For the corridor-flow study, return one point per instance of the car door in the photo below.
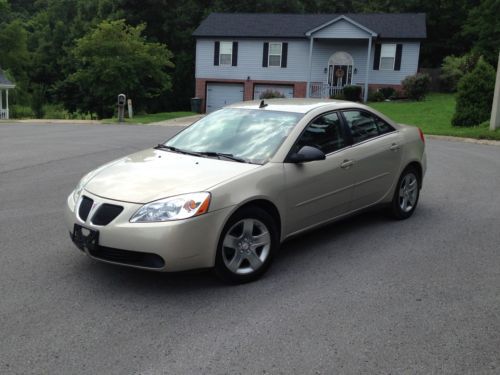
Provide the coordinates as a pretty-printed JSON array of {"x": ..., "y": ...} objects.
[
  {"x": 320, "y": 190},
  {"x": 376, "y": 156}
]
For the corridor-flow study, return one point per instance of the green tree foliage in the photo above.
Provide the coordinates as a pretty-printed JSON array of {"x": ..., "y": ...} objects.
[
  {"x": 454, "y": 68},
  {"x": 475, "y": 95},
  {"x": 115, "y": 58},
  {"x": 483, "y": 27}
]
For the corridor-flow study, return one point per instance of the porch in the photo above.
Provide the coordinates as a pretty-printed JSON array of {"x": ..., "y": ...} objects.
[
  {"x": 325, "y": 90},
  {"x": 5, "y": 86}
]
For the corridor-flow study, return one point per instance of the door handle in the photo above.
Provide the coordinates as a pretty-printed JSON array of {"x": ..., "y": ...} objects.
[
  {"x": 346, "y": 164},
  {"x": 394, "y": 147}
]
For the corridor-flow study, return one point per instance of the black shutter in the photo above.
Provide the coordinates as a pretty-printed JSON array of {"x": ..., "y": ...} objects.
[
  {"x": 235, "y": 54},
  {"x": 376, "y": 58},
  {"x": 216, "y": 53},
  {"x": 284, "y": 54},
  {"x": 265, "y": 55},
  {"x": 399, "y": 53}
]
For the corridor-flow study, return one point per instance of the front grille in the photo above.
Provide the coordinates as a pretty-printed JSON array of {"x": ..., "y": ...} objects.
[
  {"x": 106, "y": 213},
  {"x": 133, "y": 258},
  {"x": 85, "y": 208}
]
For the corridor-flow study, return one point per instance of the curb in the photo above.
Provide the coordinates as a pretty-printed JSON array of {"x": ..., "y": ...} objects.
[{"x": 488, "y": 142}]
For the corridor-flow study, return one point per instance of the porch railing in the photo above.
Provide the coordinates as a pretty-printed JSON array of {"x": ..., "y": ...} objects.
[
  {"x": 4, "y": 114},
  {"x": 324, "y": 90}
]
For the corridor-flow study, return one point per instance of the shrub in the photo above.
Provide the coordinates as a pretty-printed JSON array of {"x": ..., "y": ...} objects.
[
  {"x": 352, "y": 93},
  {"x": 271, "y": 94},
  {"x": 387, "y": 92},
  {"x": 416, "y": 87},
  {"x": 475, "y": 95},
  {"x": 337, "y": 97},
  {"x": 21, "y": 111},
  {"x": 454, "y": 68},
  {"x": 55, "y": 111},
  {"x": 376, "y": 96}
]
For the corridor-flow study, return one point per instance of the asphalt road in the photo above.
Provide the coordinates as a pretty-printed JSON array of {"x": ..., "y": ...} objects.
[{"x": 364, "y": 296}]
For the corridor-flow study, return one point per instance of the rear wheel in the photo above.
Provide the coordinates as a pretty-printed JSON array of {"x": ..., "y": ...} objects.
[
  {"x": 246, "y": 246},
  {"x": 406, "y": 195}
]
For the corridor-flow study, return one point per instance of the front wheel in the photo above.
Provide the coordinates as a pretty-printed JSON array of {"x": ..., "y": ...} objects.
[
  {"x": 406, "y": 195},
  {"x": 246, "y": 246}
]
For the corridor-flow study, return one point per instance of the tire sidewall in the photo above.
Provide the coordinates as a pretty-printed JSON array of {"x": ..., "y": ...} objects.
[
  {"x": 246, "y": 213},
  {"x": 397, "y": 212}
]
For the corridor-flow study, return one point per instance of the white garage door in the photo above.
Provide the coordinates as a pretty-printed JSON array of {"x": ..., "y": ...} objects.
[
  {"x": 287, "y": 91},
  {"x": 222, "y": 94}
]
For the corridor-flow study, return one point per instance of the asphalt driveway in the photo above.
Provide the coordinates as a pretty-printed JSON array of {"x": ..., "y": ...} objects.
[{"x": 364, "y": 296}]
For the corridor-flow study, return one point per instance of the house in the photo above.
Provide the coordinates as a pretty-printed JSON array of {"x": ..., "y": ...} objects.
[
  {"x": 5, "y": 85},
  {"x": 241, "y": 55}
]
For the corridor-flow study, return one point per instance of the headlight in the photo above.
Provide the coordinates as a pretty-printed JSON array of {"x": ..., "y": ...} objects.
[{"x": 173, "y": 208}]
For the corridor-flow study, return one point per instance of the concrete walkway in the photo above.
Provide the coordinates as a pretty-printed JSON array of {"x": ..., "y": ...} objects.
[{"x": 180, "y": 121}]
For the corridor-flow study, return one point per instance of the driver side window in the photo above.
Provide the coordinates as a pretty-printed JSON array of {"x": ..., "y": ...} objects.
[{"x": 325, "y": 133}]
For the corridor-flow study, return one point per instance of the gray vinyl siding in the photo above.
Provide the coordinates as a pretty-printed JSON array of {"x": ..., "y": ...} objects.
[
  {"x": 341, "y": 29},
  {"x": 250, "y": 61},
  {"x": 409, "y": 65}
]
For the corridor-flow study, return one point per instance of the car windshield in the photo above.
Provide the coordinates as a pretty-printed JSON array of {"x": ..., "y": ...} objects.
[{"x": 250, "y": 135}]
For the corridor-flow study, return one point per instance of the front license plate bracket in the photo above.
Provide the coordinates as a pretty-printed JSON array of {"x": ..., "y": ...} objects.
[{"x": 85, "y": 238}]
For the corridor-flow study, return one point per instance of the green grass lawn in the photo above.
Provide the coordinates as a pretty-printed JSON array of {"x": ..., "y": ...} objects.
[
  {"x": 149, "y": 118},
  {"x": 433, "y": 115}
]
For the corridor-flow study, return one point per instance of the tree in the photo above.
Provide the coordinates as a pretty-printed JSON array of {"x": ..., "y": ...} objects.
[
  {"x": 111, "y": 59},
  {"x": 475, "y": 95},
  {"x": 484, "y": 28}
]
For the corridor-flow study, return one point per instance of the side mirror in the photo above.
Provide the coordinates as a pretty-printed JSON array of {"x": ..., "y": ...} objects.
[{"x": 306, "y": 154}]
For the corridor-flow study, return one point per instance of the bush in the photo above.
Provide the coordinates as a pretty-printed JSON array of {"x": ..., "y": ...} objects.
[
  {"x": 352, "y": 93},
  {"x": 416, "y": 87},
  {"x": 55, "y": 111},
  {"x": 21, "y": 112},
  {"x": 454, "y": 68},
  {"x": 475, "y": 95},
  {"x": 271, "y": 94},
  {"x": 387, "y": 92},
  {"x": 376, "y": 96},
  {"x": 337, "y": 97}
]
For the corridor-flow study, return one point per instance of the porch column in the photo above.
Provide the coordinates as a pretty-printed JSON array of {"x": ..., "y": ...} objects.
[
  {"x": 367, "y": 75},
  {"x": 1, "y": 99},
  {"x": 308, "y": 91},
  {"x": 7, "y": 103}
]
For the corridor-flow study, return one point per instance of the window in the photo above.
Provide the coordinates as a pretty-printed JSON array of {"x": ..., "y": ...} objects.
[
  {"x": 387, "y": 56},
  {"x": 325, "y": 133},
  {"x": 364, "y": 125},
  {"x": 275, "y": 54},
  {"x": 226, "y": 53}
]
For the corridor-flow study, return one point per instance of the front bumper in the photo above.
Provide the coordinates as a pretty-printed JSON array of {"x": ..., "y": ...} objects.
[{"x": 181, "y": 245}]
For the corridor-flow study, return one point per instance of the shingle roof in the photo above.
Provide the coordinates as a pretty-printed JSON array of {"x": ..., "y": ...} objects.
[
  {"x": 3, "y": 80},
  {"x": 278, "y": 25}
]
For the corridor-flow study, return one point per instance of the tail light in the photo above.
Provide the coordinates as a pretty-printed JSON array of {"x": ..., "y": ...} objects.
[{"x": 421, "y": 135}]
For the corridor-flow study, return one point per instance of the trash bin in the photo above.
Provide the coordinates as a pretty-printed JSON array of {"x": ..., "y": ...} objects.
[{"x": 196, "y": 105}]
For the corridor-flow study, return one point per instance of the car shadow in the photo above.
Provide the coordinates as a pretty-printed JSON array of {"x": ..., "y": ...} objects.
[{"x": 291, "y": 256}]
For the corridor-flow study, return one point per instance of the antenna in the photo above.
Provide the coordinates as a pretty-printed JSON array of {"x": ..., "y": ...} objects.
[{"x": 262, "y": 104}]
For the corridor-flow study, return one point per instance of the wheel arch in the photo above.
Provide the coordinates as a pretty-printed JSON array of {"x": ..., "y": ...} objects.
[{"x": 418, "y": 167}]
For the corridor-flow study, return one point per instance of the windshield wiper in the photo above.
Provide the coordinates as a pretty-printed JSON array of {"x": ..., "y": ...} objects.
[
  {"x": 224, "y": 155},
  {"x": 162, "y": 146}
]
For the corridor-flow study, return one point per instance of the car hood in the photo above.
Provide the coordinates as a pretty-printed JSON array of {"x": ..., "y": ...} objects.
[{"x": 155, "y": 174}]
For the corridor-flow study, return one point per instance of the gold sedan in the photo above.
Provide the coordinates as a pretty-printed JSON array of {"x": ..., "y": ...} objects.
[{"x": 226, "y": 191}]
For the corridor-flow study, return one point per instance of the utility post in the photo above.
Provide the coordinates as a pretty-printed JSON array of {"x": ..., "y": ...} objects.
[
  {"x": 121, "y": 108},
  {"x": 495, "y": 109}
]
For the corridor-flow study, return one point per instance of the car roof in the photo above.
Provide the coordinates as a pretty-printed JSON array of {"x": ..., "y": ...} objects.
[{"x": 297, "y": 105}]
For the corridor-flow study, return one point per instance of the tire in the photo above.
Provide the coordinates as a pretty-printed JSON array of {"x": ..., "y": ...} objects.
[
  {"x": 405, "y": 199},
  {"x": 246, "y": 246}
]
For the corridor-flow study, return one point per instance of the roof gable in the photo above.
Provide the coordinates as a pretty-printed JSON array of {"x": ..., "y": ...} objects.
[
  {"x": 279, "y": 25},
  {"x": 350, "y": 27},
  {"x": 4, "y": 82}
]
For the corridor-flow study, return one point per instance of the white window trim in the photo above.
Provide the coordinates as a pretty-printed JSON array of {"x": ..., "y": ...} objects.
[
  {"x": 394, "y": 57},
  {"x": 220, "y": 53},
  {"x": 269, "y": 55}
]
